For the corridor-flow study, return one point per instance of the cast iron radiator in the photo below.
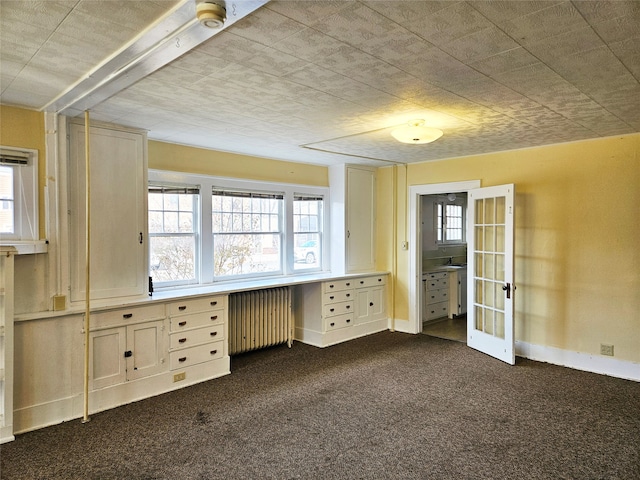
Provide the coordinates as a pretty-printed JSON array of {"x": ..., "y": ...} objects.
[{"x": 259, "y": 319}]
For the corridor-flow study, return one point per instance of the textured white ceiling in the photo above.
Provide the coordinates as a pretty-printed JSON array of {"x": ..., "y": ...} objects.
[{"x": 325, "y": 81}]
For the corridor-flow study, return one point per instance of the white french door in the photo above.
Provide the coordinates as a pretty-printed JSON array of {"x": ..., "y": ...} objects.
[{"x": 490, "y": 293}]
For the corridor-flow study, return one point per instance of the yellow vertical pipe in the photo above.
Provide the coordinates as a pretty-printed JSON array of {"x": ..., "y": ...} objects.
[
  {"x": 87, "y": 283},
  {"x": 394, "y": 244}
]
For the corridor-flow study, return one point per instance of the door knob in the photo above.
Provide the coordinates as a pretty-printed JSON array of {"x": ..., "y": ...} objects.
[{"x": 507, "y": 288}]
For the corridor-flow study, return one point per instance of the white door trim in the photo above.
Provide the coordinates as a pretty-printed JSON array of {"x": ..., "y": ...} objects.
[{"x": 415, "y": 235}]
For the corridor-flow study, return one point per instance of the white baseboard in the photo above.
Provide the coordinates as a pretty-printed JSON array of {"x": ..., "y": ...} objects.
[
  {"x": 580, "y": 361},
  {"x": 401, "y": 325}
]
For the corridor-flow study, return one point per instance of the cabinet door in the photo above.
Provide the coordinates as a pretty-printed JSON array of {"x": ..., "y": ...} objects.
[
  {"x": 118, "y": 212},
  {"x": 361, "y": 185},
  {"x": 146, "y": 343},
  {"x": 107, "y": 362},
  {"x": 377, "y": 304},
  {"x": 371, "y": 304}
]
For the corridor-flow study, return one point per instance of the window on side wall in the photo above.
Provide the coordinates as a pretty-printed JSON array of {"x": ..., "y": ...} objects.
[
  {"x": 173, "y": 234},
  {"x": 307, "y": 232},
  {"x": 18, "y": 194},
  {"x": 450, "y": 220},
  {"x": 247, "y": 232}
]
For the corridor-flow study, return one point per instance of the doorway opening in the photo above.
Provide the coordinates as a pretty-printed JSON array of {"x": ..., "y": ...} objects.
[
  {"x": 443, "y": 252},
  {"x": 438, "y": 255},
  {"x": 448, "y": 328}
]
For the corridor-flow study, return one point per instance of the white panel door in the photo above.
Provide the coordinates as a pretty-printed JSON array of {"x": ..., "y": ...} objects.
[
  {"x": 118, "y": 212},
  {"x": 490, "y": 287},
  {"x": 361, "y": 185}
]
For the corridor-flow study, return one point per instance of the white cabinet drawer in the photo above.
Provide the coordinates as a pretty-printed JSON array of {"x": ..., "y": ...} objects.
[
  {"x": 338, "y": 285},
  {"x": 124, "y": 316},
  {"x": 199, "y": 354},
  {"x": 339, "y": 321},
  {"x": 339, "y": 296},
  {"x": 197, "y": 336},
  {"x": 202, "y": 319},
  {"x": 337, "y": 308},
  {"x": 371, "y": 281},
  {"x": 437, "y": 296},
  {"x": 434, "y": 275},
  {"x": 434, "y": 284},
  {"x": 196, "y": 305},
  {"x": 437, "y": 310}
]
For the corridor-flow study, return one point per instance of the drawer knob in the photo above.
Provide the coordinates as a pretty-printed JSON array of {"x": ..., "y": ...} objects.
[
  {"x": 214, "y": 303},
  {"x": 182, "y": 307},
  {"x": 213, "y": 352},
  {"x": 348, "y": 284},
  {"x": 127, "y": 315},
  {"x": 330, "y": 286},
  {"x": 331, "y": 297},
  {"x": 182, "y": 323},
  {"x": 361, "y": 282},
  {"x": 331, "y": 309},
  {"x": 379, "y": 279},
  {"x": 371, "y": 304},
  {"x": 348, "y": 320},
  {"x": 214, "y": 317},
  {"x": 128, "y": 354},
  {"x": 348, "y": 307},
  {"x": 182, "y": 359},
  {"x": 332, "y": 324},
  {"x": 348, "y": 295},
  {"x": 213, "y": 334},
  {"x": 182, "y": 340}
]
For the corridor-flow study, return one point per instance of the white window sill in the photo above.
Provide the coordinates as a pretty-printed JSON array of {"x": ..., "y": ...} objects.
[{"x": 27, "y": 247}]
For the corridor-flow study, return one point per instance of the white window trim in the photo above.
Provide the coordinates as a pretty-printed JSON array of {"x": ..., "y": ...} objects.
[
  {"x": 208, "y": 183},
  {"x": 196, "y": 234},
  {"x": 461, "y": 203},
  {"x": 25, "y": 197}
]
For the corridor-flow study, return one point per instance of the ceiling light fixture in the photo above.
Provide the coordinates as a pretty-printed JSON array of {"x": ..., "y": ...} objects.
[
  {"x": 211, "y": 15},
  {"x": 415, "y": 132}
]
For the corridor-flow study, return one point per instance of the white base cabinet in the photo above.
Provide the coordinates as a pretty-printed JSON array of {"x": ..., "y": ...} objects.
[
  {"x": 336, "y": 311},
  {"x": 436, "y": 295},
  {"x": 135, "y": 352}
]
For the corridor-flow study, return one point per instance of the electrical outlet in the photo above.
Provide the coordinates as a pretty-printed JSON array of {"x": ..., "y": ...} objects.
[
  {"x": 177, "y": 377},
  {"x": 606, "y": 349}
]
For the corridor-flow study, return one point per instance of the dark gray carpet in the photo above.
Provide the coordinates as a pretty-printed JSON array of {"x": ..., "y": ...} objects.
[{"x": 386, "y": 406}]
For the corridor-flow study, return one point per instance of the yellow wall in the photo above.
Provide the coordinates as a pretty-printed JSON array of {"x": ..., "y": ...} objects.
[
  {"x": 181, "y": 158},
  {"x": 577, "y": 238},
  {"x": 25, "y": 129}
]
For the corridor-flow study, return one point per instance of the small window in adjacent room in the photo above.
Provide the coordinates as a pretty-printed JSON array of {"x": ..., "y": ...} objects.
[
  {"x": 173, "y": 230},
  {"x": 247, "y": 229},
  {"x": 307, "y": 232},
  {"x": 18, "y": 194},
  {"x": 450, "y": 218}
]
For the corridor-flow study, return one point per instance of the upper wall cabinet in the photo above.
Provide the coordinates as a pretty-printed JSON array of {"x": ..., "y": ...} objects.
[
  {"x": 118, "y": 225},
  {"x": 353, "y": 214}
]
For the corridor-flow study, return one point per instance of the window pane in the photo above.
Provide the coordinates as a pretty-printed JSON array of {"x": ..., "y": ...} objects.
[
  {"x": 241, "y": 254},
  {"x": 172, "y": 258},
  {"x": 6, "y": 200},
  {"x": 306, "y": 252},
  {"x": 172, "y": 234},
  {"x": 247, "y": 231},
  {"x": 307, "y": 228}
]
